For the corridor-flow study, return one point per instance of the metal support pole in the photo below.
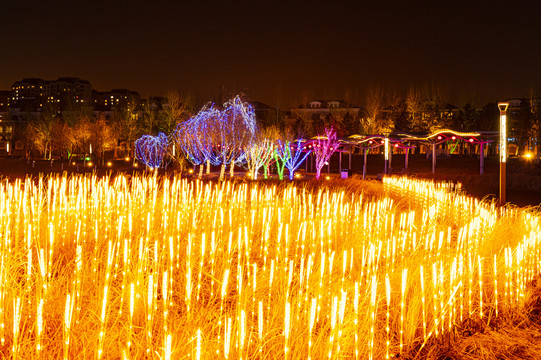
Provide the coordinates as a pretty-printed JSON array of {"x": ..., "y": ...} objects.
[
  {"x": 350, "y": 149},
  {"x": 433, "y": 158},
  {"x": 390, "y": 159},
  {"x": 482, "y": 158},
  {"x": 364, "y": 165},
  {"x": 340, "y": 162},
  {"x": 406, "y": 160}
]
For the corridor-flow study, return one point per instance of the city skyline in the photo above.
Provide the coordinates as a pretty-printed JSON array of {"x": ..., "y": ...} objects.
[{"x": 274, "y": 53}]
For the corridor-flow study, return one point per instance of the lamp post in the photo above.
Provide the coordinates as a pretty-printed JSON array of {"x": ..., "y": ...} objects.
[
  {"x": 386, "y": 152},
  {"x": 503, "y": 149}
]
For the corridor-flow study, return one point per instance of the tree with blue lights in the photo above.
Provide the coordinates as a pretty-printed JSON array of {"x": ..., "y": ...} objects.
[
  {"x": 234, "y": 132},
  {"x": 151, "y": 150},
  {"x": 291, "y": 153}
]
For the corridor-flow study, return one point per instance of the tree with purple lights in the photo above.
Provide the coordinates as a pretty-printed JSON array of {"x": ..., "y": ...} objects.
[
  {"x": 294, "y": 157},
  {"x": 324, "y": 147},
  {"x": 151, "y": 150},
  {"x": 257, "y": 155}
]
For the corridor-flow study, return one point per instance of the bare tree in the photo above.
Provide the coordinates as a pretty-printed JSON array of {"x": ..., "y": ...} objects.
[
  {"x": 125, "y": 128},
  {"x": 372, "y": 122},
  {"x": 41, "y": 131},
  {"x": 414, "y": 104},
  {"x": 176, "y": 109}
]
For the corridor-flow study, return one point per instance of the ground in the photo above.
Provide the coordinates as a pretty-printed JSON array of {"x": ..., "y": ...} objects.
[{"x": 523, "y": 176}]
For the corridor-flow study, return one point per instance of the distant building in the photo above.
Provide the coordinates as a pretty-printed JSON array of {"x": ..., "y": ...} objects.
[
  {"x": 5, "y": 100},
  {"x": 33, "y": 94},
  {"x": 312, "y": 117},
  {"x": 116, "y": 98}
]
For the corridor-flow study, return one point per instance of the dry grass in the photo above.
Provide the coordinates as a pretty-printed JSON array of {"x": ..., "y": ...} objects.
[{"x": 147, "y": 267}]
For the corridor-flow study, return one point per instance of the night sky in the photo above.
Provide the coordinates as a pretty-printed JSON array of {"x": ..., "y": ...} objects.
[{"x": 277, "y": 52}]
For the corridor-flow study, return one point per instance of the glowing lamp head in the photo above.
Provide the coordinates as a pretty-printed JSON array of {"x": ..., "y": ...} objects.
[
  {"x": 127, "y": 158},
  {"x": 298, "y": 176},
  {"x": 453, "y": 137},
  {"x": 90, "y": 164},
  {"x": 370, "y": 142},
  {"x": 382, "y": 142},
  {"x": 73, "y": 163},
  {"x": 328, "y": 177},
  {"x": 528, "y": 155},
  {"x": 471, "y": 140},
  {"x": 190, "y": 171},
  {"x": 439, "y": 137},
  {"x": 395, "y": 145},
  {"x": 135, "y": 165}
]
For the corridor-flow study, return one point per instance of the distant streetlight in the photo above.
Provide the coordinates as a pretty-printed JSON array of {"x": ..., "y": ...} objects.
[{"x": 503, "y": 150}]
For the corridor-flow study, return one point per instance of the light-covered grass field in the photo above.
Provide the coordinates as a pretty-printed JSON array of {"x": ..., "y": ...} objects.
[{"x": 168, "y": 268}]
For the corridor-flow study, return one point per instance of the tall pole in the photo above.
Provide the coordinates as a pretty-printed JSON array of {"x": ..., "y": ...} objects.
[
  {"x": 434, "y": 158},
  {"x": 364, "y": 164},
  {"x": 482, "y": 158},
  {"x": 503, "y": 150},
  {"x": 406, "y": 160},
  {"x": 386, "y": 151}
]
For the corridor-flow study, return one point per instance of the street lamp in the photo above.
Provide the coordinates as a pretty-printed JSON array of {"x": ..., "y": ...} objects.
[
  {"x": 386, "y": 152},
  {"x": 503, "y": 149}
]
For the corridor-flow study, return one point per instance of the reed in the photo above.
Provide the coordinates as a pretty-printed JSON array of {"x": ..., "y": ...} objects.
[{"x": 147, "y": 266}]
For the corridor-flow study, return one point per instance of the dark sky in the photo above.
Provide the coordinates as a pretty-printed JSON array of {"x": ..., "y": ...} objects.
[{"x": 474, "y": 51}]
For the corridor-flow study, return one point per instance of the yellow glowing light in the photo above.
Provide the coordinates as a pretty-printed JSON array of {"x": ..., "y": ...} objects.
[
  {"x": 411, "y": 281},
  {"x": 528, "y": 155},
  {"x": 90, "y": 164},
  {"x": 190, "y": 171},
  {"x": 327, "y": 177},
  {"x": 109, "y": 164},
  {"x": 127, "y": 158},
  {"x": 503, "y": 131}
]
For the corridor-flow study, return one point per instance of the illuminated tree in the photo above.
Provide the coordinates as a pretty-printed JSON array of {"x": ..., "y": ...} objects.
[
  {"x": 292, "y": 155},
  {"x": 282, "y": 154},
  {"x": 257, "y": 155},
  {"x": 324, "y": 147},
  {"x": 196, "y": 135},
  {"x": 151, "y": 150},
  {"x": 234, "y": 132}
]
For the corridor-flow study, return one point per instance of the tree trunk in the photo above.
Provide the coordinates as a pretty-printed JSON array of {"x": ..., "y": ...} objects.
[
  {"x": 208, "y": 166},
  {"x": 201, "y": 168},
  {"x": 232, "y": 169},
  {"x": 222, "y": 172}
]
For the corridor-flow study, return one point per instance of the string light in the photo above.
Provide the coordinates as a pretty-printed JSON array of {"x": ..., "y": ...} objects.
[{"x": 151, "y": 150}]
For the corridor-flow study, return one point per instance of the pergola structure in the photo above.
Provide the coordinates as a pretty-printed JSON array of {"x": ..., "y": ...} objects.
[{"x": 409, "y": 141}]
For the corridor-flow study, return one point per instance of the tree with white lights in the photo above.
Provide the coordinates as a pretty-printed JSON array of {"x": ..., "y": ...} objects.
[{"x": 257, "y": 155}]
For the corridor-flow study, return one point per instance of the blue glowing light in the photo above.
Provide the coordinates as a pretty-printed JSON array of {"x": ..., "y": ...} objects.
[
  {"x": 151, "y": 150},
  {"x": 291, "y": 155}
]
